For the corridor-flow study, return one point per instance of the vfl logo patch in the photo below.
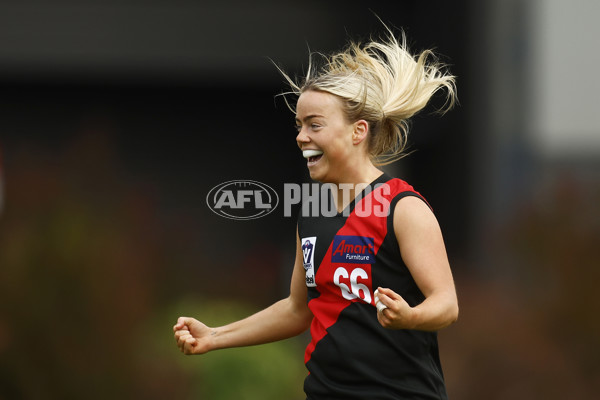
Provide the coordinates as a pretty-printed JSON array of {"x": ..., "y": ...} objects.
[
  {"x": 308, "y": 258},
  {"x": 353, "y": 250}
]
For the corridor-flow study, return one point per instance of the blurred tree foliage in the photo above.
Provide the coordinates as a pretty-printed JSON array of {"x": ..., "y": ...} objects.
[
  {"x": 93, "y": 276},
  {"x": 271, "y": 371},
  {"x": 553, "y": 242},
  {"x": 529, "y": 326},
  {"x": 87, "y": 301}
]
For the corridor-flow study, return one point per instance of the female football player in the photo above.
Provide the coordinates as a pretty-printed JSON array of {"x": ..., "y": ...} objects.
[{"x": 373, "y": 282}]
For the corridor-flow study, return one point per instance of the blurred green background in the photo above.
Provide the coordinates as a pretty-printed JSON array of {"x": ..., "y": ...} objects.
[{"x": 117, "y": 118}]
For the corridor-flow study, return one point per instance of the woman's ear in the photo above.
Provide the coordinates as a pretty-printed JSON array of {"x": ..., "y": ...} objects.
[{"x": 361, "y": 128}]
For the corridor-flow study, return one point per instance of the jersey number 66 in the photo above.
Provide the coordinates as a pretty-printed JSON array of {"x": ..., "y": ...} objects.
[{"x": 356, "y": 290}]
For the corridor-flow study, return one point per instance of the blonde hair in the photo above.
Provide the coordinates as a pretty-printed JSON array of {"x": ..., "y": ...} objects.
[{"x": 383, "y": 84}]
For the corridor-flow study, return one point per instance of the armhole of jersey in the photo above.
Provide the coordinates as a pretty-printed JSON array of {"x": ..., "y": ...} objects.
[
  {"x": 402, "y": 195},
  {"x": 394, "y": 202}
]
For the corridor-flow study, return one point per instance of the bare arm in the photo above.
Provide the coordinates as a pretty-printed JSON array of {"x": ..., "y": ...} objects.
[
  {"x": 284, "y": 319},
  {"x": 423, "y": 251}
]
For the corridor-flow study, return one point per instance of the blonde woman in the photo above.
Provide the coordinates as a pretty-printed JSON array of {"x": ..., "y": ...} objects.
[{"x": 373, "y": 287}]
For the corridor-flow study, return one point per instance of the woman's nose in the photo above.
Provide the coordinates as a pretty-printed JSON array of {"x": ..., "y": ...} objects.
[{"x": 302, "y": 137}]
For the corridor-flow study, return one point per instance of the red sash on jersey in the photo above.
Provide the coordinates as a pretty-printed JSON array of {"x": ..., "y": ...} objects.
[{"x": 327, "y": 307}]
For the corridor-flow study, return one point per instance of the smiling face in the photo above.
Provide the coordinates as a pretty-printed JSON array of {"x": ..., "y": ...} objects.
[{"x": 327, "y": 140}]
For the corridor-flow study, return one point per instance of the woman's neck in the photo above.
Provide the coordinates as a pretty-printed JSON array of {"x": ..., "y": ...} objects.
[{"x": 345, "y": 190}]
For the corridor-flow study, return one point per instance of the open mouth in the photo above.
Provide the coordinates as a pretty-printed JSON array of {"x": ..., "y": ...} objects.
[{"x": 312, "y": 156}]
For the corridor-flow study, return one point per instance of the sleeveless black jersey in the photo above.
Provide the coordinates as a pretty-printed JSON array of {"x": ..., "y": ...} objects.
[{"x": 346, "y": 257}]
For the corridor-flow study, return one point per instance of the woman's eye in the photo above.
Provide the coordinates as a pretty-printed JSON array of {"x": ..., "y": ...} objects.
[{"x": 314, "y": 127}]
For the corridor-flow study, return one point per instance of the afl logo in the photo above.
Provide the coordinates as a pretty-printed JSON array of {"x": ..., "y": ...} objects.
[{"x": 242, "y": 199}]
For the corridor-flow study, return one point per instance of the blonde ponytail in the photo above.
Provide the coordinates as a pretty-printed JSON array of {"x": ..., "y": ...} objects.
[{"x": 382, "y": 83}]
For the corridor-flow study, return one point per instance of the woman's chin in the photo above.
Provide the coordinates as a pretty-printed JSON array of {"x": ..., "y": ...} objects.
[{"x": 314, "y": 176}]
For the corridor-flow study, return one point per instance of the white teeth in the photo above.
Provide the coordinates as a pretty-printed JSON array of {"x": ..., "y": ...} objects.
[{"x": 311, "y": 153}]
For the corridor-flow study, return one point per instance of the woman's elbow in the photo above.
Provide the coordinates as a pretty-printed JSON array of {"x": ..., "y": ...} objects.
[{"x": 453, "y": 312}]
